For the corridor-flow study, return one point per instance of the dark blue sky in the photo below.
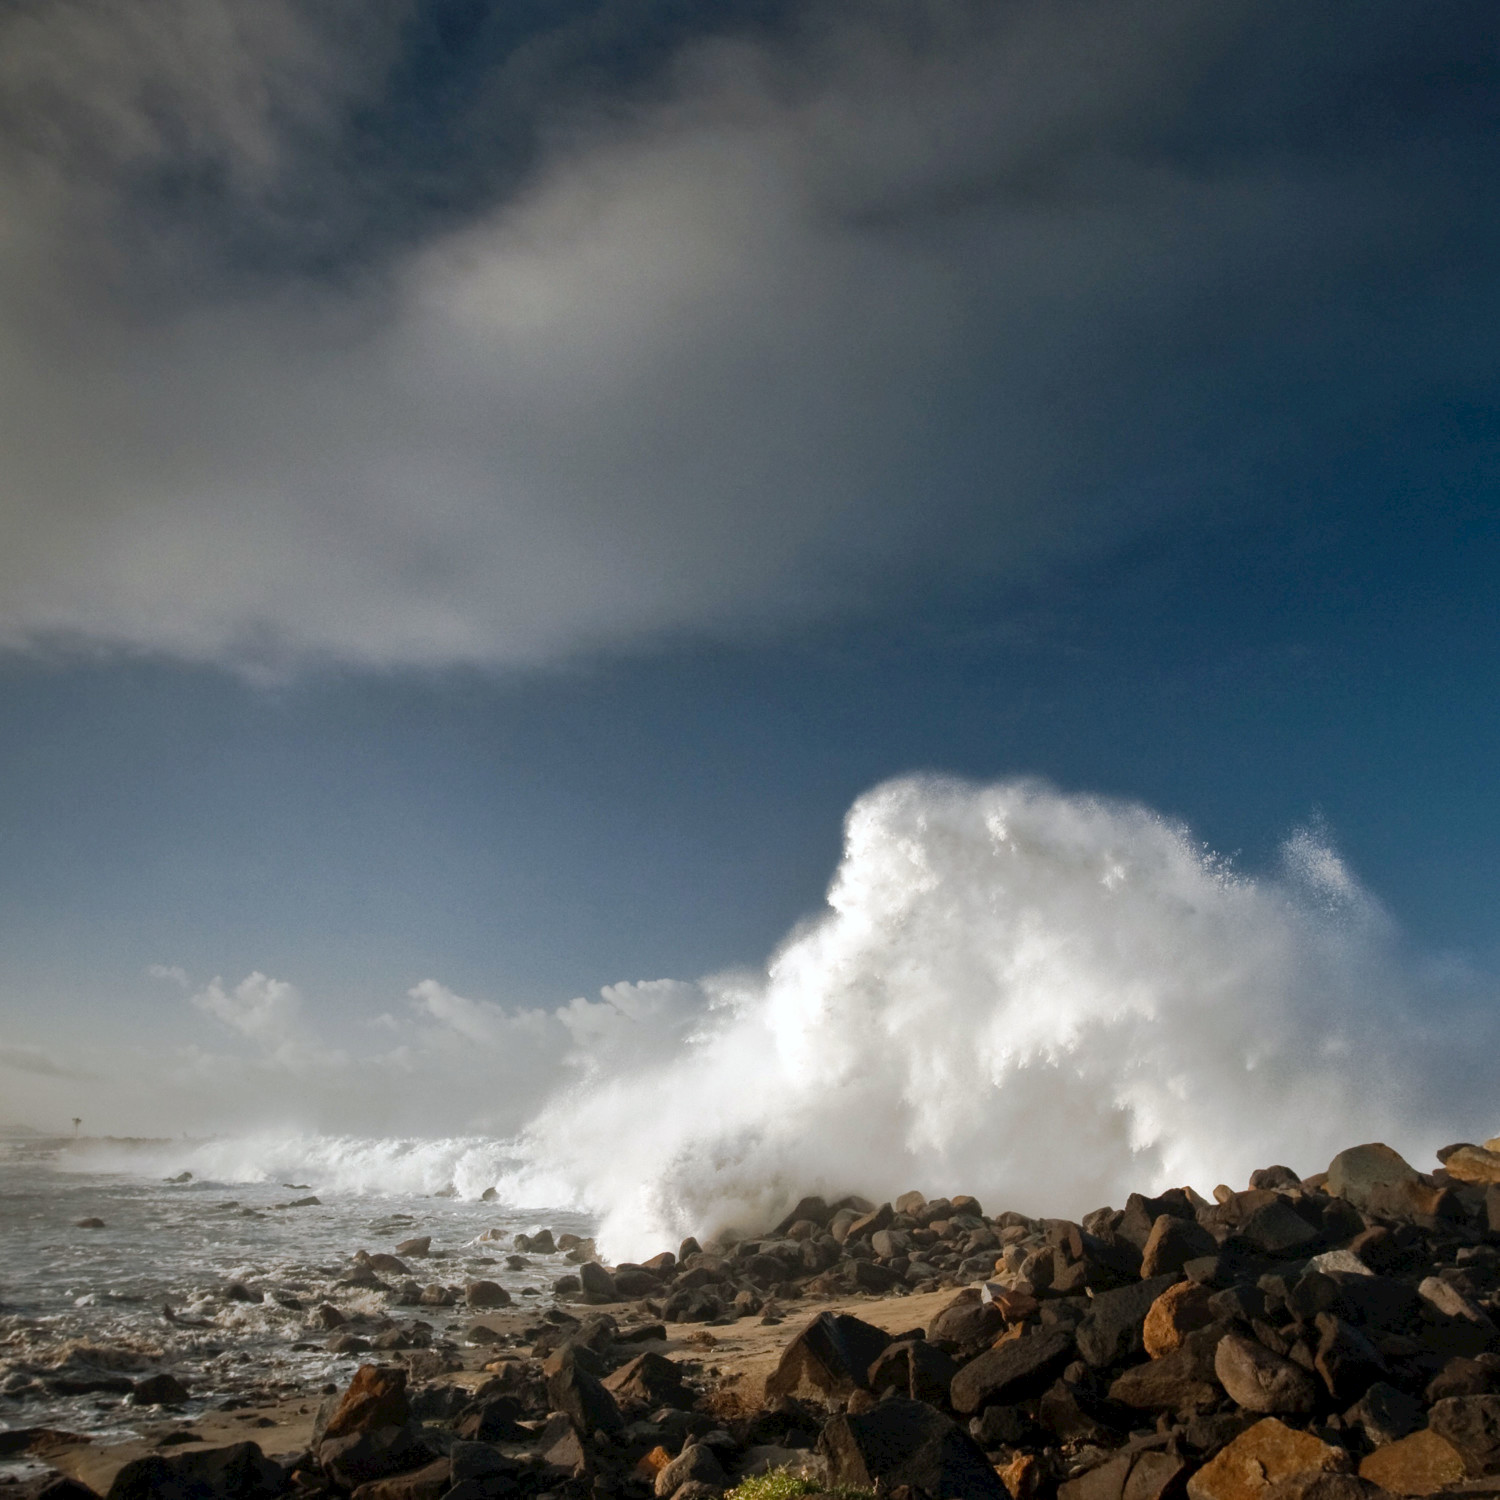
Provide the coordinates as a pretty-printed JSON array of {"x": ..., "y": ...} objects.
[{"x": 483, "y": 503}]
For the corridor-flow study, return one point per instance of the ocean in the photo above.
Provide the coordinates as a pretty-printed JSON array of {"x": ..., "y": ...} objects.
[{"x": 82, "y": 1309}]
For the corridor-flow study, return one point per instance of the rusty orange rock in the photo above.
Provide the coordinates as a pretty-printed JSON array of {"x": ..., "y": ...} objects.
[
  {"x": 1421, "y": 1464},
  {"x": 1256, "y": 1459},
  {"x": 1175, "y": 1314}
]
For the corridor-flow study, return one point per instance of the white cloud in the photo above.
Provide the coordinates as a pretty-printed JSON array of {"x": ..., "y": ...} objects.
[
  {"x": 819, "y": 316},
  {"x": 264, "y": 1010}
]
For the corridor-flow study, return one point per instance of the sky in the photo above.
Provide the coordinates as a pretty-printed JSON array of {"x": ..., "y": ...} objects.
[{"x": 484, "y": 488}]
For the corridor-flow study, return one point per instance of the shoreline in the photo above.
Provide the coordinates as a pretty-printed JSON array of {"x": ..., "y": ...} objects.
[{"x": 1342, "y": 1331}]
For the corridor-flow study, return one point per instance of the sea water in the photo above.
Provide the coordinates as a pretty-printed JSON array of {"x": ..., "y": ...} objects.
[{"x": 86, "y": 1306}]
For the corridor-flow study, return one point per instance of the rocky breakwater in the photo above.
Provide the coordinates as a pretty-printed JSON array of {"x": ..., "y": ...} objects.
[{"x": 1333, "y": 1338}]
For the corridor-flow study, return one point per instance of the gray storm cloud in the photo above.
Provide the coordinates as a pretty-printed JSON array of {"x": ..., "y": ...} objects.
[{"x": 914, "y": 287}]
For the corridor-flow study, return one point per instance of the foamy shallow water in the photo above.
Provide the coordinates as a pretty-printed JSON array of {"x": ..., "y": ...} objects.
[{"x": 75, "y": 1300}]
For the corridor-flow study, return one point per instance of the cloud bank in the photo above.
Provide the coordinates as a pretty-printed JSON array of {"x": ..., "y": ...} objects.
[{"x": 791, "y": 319}]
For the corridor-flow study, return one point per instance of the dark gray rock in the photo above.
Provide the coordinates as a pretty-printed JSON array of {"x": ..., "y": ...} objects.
[
  {"x": 572, "y": 1390},
  {"x": 1261, "y": 1381},
  {"x": 914, "y": 1368},
  {"x": 830, "y": 1358},
  {"x": 238, "y": 1472},
  {"x": 1277, "y": 1230},
  {"x": 1182, "y": 1381},
  {"x": 1172, "y": 1243},
  {"x": 1472, "y": 1425},
  {"x": 902, "y": 1442},
  {"x": 1111, "y": 1333},
  {"x": 159, "y": 1390},
  {"x": 966, "y": 1323},
  {"x": 1012, "y": 1371},
  {"x": 696, "y": 1464},
  {"x": 1385, "y": 1414},
  {"x": 373, "y": 1453}
]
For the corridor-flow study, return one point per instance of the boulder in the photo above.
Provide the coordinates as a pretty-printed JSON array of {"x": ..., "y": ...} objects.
[
  {"x": 969, "y": 1321},
  {"x": 830, "y": 1358},
  {"x": 1261, "y": 1381},
  {"x": 1269, "y": 1451},
  {"x": 495, "y": 1420},
  {"x": 1181, "y": 1381},
  {"x": 427, "y": 1483},
  {"x": 238, "y": 1472},
  {"x": 1012, "y": 1371},
  {"x": 372, "y": 1453},
  {"x": 376, "y": 1398},
  {"x": 1348, "y": 1362},
  {"x": 1385, "y": 1414},
  {"x": 903, "y": 1442},
  {"x": 597, "y": 1282},
  {"x": 650, "y": 1378},
  {"x": 1278, "y": 1231},
  {"x": 1476, "y": 1164},
  {"x": 1177, "y": 1312},
  {"x": 561, "y": 1446},
  {"x": 421, "y": 1245},
  {"x": 486, "y": 1294},
  {"x": 1113, "y": 1330},
  {"x": 1419, "y": 1464},
  {"x": 572, "y": 1390},
  {"x": 914, "y": 1368},
  {"x": 696, "y": 1463},
  {"x": 159, "y": 1390},
  {"x": 1172, "y": 1243},
  {"x": 1355, "y": 1173},
  {"x": 1472, "y": 1425}
]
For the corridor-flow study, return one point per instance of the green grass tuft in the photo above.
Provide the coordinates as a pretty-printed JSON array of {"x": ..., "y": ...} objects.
[{"x": 780, "y": 1484}]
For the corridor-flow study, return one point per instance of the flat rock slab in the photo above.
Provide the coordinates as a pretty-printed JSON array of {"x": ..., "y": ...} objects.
[
  {"x": 1011, "y": 1371},
  {"x": 1268, "y": 1452},
  {"x": 1421, "y": 1464}
]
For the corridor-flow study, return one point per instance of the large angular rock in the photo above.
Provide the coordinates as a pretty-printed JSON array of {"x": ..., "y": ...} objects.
[
  {"x": 1012, "y": 1371},
  {"x": 1261, "y": 1381},
  {"x": 1355, "y": 1173},
  {"x": 696, "y": 1464},
  {"x": 1277, "y": 1230},
  {"x": 238, "y": 1472},
  {"x": 1112, "y": 1331},
  {"x": 357, "y": 1458},
  {"x": 1176, "y": 1313},
  {"x": 428, "y": 1483},
  {"x": 597, "y": 1283},
  {"x": 969, "y": 1321},
  {"x": 1474, "y": 1164},
  {"x": 1420, "y": 1464},
  {"x": 830, "y": 1358},
  {"x": 1268, "y": 1452},
  {"x": 376, "y": 1398},
  {"x": 902, "y": 1442},
  {"x": 1386, "y": 1414},
  {"x": 1182, "y": 1381},
  {"x": 914, "y": 1368},
  {"x": 1348, "y": 1362},
  {"x": 650, "y": 1378},
  {"x": 571, "y": 1389},
  {"x": 1172, "y": 1243},
  {"x": 1472, "y": 1425}
]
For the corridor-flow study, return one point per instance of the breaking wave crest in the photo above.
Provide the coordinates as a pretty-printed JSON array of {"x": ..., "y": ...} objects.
[
  {"x": 1044, "y": 1000},
  {"x": 1041, "y": 999}
]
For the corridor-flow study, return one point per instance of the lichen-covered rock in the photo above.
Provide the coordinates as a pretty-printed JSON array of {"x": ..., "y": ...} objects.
[{"x": 1268, "y": 1452}]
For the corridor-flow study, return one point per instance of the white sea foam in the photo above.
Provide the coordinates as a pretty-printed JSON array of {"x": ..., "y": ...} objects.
[
  {"x": 1041, "y": 999},
  {"x": 1046, "y": 1000}
]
